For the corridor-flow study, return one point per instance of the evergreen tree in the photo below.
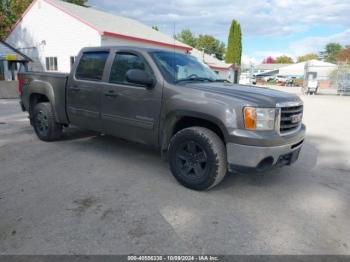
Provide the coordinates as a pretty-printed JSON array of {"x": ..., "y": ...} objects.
[{"x": 234, "y": 45}]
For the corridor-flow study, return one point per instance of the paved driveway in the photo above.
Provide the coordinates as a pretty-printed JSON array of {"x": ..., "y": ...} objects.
[{"x": 91, "y": 194}]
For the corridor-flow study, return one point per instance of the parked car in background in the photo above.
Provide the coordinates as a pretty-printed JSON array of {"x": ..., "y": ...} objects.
[
  {"x": 245, "y": 79},
  {"x": 281, "y": 78}
]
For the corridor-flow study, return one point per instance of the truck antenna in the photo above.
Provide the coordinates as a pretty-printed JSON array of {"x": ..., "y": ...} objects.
[{"x": 174, "y": 36}]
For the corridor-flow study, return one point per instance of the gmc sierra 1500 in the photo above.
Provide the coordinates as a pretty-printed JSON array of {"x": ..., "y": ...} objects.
[{"x": 202, "y": 124}]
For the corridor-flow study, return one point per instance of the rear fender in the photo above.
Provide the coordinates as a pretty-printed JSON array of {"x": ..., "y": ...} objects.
[{"x": 45, "y": 89}]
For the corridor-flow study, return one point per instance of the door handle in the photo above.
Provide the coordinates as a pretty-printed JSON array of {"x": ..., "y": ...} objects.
[
  {"x": 111, "y": 93},
  {"x": 75, "y": 89}
]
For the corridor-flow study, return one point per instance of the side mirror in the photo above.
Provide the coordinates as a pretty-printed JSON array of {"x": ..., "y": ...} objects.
[{"x": 140, "y": 77}]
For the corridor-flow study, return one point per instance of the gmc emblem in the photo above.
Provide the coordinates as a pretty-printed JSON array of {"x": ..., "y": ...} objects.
[{"x": 296, "y": 118}]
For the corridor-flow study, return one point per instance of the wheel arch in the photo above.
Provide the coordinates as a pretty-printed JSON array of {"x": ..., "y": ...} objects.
[
  {"x": 34, "y": 99},
  {"x": 180, "y": 120},
  {"x": 41, "y": 91}
]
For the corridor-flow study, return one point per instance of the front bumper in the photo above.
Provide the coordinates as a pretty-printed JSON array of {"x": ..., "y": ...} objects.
[{"x": 256, "y": 158}]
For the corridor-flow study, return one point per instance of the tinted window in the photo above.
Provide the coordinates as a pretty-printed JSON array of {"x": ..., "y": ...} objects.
[
  {"x": 91, "y": 66},
  {"x": 123, "y": 62}
]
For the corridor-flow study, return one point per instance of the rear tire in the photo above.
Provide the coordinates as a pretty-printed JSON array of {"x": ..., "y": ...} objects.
[
  {"x": 197, "y": 158},
  {"x": 44, "y": 123}
]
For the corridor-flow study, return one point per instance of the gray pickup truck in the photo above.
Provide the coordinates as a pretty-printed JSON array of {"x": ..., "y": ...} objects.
[{"x": 203, "y": 125}]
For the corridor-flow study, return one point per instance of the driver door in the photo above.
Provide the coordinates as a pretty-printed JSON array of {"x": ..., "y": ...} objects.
[{"x": 129, "y": 110}]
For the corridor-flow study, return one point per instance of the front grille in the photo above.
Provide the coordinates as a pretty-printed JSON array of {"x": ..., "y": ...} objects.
[{"x": 288, "y": 118}]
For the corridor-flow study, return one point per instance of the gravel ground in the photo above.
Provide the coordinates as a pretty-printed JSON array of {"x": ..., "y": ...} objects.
[{"x": 91, "y": 194}]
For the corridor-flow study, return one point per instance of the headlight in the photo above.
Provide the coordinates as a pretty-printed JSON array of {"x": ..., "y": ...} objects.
[{"x": 259, "y": 118}]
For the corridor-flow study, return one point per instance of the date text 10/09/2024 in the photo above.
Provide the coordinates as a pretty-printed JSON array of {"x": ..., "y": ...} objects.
[{"x": 173, "y": 258}]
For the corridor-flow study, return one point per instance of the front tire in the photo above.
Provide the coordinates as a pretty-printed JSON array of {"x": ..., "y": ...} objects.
[
  {"x": 44, "y": 123},
  {"x": 197, "y": 158}
]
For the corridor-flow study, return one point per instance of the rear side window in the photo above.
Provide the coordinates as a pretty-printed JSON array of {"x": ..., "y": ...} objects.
[
  {"x": 123, "y": 62},
  {"x": 91, "y": 66}
]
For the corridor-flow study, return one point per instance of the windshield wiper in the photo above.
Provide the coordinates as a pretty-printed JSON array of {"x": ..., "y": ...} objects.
[{"x": 201, "y": 79}]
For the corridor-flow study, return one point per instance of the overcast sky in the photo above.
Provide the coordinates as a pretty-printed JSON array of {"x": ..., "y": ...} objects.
[{"x": 269, "y": 27}]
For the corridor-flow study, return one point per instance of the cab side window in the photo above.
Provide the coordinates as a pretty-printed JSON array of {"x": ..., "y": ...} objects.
[
  {"x": 123, "y": 62},
  {"x": 91, "y": 66}
]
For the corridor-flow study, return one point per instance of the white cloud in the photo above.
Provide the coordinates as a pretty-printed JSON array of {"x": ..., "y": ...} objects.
[
  {"x": 264, "y": 18},
  {"x": 274, "y": 54},
  {"x": 248, "y": 60},
  {"x": 315, "y": 44}
]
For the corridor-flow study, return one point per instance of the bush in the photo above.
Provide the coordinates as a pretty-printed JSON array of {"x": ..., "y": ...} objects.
[{"x": 298, "y": 82}]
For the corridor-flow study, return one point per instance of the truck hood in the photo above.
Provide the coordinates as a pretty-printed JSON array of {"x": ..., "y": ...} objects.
[{"x": 249, "y": 94}]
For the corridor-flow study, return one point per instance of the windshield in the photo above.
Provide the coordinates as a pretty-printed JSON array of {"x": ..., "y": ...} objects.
[{"x": 177, "y": 67}]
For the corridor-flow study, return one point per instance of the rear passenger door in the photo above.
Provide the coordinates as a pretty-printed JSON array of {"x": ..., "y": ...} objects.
[
  {"x": 84, "y": 90},
  {"x": 129, "y": 110}
]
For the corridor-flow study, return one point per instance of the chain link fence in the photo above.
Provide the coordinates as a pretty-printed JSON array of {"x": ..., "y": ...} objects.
[{"x": 340, "y": 79}]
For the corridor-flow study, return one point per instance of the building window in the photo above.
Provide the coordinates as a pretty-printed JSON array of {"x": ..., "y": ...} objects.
[
  {"x": 91, "y": 66},
  {"x": 51, "y": 63},
  {"x": 72, "y": 60}
]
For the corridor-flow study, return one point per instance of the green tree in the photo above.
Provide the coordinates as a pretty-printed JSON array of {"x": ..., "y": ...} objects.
[
  {"x": 187, "y": 37},
  {"x": 210, "y": 45},
  {"x": 344, "y": 55},
  {"x": 220, "y": 54},
  {"x": 307, "y": 57},
  {"x": 234, "y": 44},
  {"x": 283, "y": 59},
  {"x": 10, "y": 12},
  {"x": 331, "y": 51},
  {"x": 154, "y": 27},
  {"x": 77, "y": 2}
]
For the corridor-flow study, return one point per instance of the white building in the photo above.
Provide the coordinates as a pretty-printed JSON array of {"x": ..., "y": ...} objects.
[
  {"x": 267, "y": 68},
  {"x": 316, "y": 69},
  {"x": 322, "y": 69},
  {"x": 52, "y": 32}
]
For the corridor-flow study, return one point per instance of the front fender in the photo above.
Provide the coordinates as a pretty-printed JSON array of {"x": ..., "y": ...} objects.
[{"x": 216, "y": 111}]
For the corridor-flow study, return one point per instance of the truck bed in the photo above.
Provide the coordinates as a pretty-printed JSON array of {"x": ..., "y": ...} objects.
[{"x": 53, "y": 85}]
